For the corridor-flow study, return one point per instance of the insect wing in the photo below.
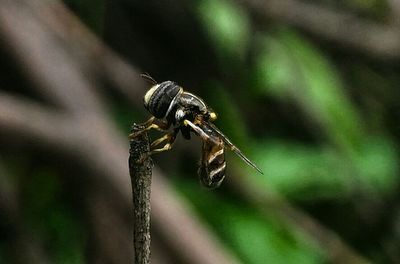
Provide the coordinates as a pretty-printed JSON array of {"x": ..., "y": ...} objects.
[{"x": 232, "y": 147}]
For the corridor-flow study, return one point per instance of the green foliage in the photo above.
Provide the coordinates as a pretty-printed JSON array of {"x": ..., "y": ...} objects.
[
  {"x": 124, "y": 114},
  {"x": 51, "y": 218},
  {"x": 304, "y": 173},
  {"x": 227, "y": 26},
  {"x": 291, "y": 66},
  {"x": 221, "y": 101},
  {"x": 345, "y": 159},
  {"x": 255, "y": 238},
  {"x": 377, "y": 166}
]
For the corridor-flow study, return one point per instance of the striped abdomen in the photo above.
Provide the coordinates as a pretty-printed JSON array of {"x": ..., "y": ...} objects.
[{"x": 212, "y": 163}]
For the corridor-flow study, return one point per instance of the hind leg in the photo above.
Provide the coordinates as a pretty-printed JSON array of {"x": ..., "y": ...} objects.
[{"x": 170, "y": 138}]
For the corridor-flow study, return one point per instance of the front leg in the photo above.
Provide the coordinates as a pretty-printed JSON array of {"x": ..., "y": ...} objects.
[
  {"x": 148, "y": 125},
  {"x": 200, "y": 132}
]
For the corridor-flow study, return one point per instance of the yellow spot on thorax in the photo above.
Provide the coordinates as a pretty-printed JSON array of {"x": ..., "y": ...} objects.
[{"x": 213, "y": 116}]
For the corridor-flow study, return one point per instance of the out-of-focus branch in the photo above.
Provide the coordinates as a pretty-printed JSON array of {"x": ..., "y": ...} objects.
[
  {"x": 93, "y": 55},
  {"x": 28, "y": 119},
  {"x": 167, "y": 209},
  {"x": 107, "y": 157},
  {"x": 42, "y": 55},
  {"x": 394, "y": 6},
  {"x": 88, "y": 135},
  {"x": 173, "y": 215},
  {"x": 108, "y": 242},
  {"x": 382, "y": 41},
  {"x": 70, "y": 67}
]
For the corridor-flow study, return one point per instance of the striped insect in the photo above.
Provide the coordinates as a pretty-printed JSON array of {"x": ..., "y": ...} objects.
[{"x": 170, "y": 106}]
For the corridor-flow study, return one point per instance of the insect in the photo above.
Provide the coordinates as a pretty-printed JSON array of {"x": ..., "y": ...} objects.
[{"x": 170, "y": 106}]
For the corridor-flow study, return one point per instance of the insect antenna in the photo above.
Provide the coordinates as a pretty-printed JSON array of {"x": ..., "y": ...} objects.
[{"x": 148, "y": 78}]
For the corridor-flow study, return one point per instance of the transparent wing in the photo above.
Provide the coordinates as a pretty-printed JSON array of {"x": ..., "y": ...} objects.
[{"x": 232, "y": 147}]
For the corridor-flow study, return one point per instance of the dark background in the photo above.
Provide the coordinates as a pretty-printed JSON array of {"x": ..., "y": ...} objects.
[{"x": 307, "y": 89}]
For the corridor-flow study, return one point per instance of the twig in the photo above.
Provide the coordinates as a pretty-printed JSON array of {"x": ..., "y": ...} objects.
[
  {"x": 89, "y": 137},
  {"x": 104, "y": 154},
  {"x": 140, "y": 170}
]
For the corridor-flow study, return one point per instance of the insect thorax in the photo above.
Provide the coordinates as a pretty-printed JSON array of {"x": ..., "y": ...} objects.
[
  {"x": 185, "y": 106},
  {"x": 192, "y": 101}
]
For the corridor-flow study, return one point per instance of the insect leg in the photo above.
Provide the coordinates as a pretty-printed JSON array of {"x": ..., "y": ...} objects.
[
  {"x": 160, "y": 140},
  {"x": 149, "y": 124},
  {"x": 200, "y": 132},
  {"x": 169, "y": 137}
]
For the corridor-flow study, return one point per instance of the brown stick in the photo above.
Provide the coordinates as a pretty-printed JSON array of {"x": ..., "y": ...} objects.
[{"x": 140, "y": 170}]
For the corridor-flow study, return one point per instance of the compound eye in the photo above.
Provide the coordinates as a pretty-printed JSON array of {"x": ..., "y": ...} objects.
[
  {"x": 160, "y": 97},
  {"x": 149, "y": 94}
]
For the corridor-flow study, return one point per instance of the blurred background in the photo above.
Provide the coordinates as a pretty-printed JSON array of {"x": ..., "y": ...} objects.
[{"x": 308, "y": 89}]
